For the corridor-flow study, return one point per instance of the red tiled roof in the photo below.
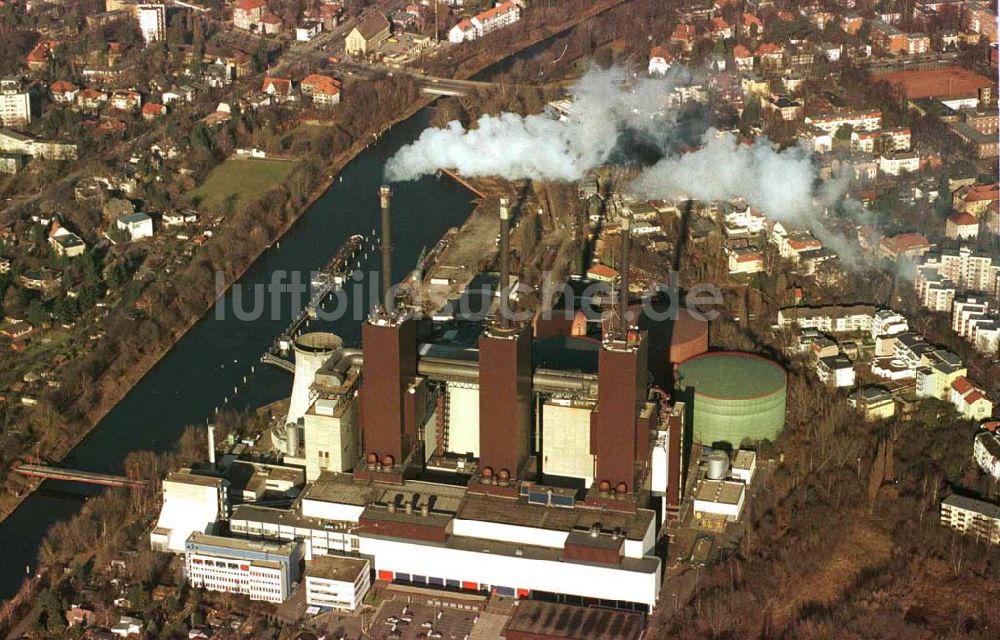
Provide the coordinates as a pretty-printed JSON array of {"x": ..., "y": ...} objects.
[
  {"x": 974, "y": 397},
  {"x": 497, "y": 10},
  {"x": 153, "y": 109},
  {"x": 660, "y": 52},
  {"x": 739, "y": 51},
  {"x": 905, "y": 241},
  {"x": 750, "y": 19},
  {"x": 963, "y": 219},
  {"x": 281, "y": 85},
  {"x": 250, "y": 5},
  {"x": 962, "y": 385},
  {"x": 768, "y": 48},
  {"x": 322, "y": 84},
  {"x": 602, "y": 271},
  {"x": 683, "y": 32},
  {"x": 62, "y": 86}
]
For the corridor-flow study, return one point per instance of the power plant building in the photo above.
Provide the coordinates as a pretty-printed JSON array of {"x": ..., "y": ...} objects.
[
  {"x": 475, "y": 455},
  {"x": 735, "y": 397}
]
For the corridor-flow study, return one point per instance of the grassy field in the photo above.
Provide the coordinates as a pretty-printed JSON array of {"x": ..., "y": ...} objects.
[{"x": 245, "y": 179}]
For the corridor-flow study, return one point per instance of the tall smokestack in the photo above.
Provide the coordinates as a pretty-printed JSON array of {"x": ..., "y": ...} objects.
[
  {"x": 211, "y": 444},
  {"x": 504, "y": 259},
  {"x": 385, "y": 196},
  {"x": 623, "y": 294}
]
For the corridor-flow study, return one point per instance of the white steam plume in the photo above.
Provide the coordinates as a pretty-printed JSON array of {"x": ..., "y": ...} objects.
[
  {"x": 608, "y": 104},
  {"x": 604, "y": 104}
]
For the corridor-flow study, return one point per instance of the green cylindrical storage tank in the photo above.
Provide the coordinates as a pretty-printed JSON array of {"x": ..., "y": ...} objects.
[{"x": 735, "y": 397}]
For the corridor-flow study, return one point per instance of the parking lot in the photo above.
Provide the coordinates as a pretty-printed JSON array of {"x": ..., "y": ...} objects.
[{"x": 397, "y": 620}]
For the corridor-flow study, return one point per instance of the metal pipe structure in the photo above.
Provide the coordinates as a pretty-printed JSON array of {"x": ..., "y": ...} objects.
[
  {"x": 211, "y": 444},
  {"x": 504, "y": 260},
  {"x": 544, "y": 380},
  {"x": 623, "y": 294},
  {"x": 385, "y": 198}
]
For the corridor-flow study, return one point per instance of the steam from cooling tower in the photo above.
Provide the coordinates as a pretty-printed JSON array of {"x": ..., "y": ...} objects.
[
  {"x": 608, "y": 106},
  {"x": 605, "y": 103}
]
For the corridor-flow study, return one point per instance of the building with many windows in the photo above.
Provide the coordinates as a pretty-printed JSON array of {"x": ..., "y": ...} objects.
[
  {"x": 260, "y": 570},
  {"x": 986, "y": 451},
  {"x": 973, "y": 517},
  {"x": 337, "y": 582},
  {"x": 15, "y": 104},
  {"x": 152, "y": 22}
]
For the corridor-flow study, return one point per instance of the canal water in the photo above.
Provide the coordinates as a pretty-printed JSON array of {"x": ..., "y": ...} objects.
[{"x": 214, "y": 356}]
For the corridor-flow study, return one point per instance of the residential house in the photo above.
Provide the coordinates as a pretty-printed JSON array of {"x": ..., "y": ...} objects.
[
  {"x": 64, "y": 242},
  {"x": 742, "y": 58},
  {"x": 488, "y": 21},
  {"x": 961, "y": 226},
  {"x": 719, "y": 29},
  {"x": 137, "y": 225},
  {"x": 899, "y": 162},
  {"x": 771, "y": 56},
  {"x": 247, "y": 14},
  {"x": 44, "y": 280},
  {"x": 152, "y": 110},
  {"x": 874, "y": 402},
  {"x": 835, "y": 371},
  {"x": 659, "y": 61},
  {"x": 279, "y": 89},
  {"x": 904, "y": 245},
  {"x": 308, "y": 31},
  {"x": 970, "y": 400},
  {"x": 975, "y": 198},
  {"x": 64, "y": 92},
  {"x": 325, "y": 90},
  {"x": 91, "y": 100},
  {"x": 684, "y": 36},
  {"x": 126, "y": 100}
]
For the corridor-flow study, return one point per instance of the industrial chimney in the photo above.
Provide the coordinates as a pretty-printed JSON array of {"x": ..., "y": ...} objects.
[
  {"x": 623, "y": 294},
  {"x": 211, "y": 444},
  {"x": 504, "y": 260},
  {"x": 385, "y": 197}
]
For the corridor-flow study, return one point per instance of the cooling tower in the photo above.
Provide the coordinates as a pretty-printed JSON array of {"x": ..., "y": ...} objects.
[{"x": 311, "y": 351}]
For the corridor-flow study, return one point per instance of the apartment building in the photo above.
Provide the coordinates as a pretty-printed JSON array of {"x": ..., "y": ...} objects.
[
  {"x": 15, "y": 104},
  {"x": 829, "y": 319},
  {"x": 972, "y": 517},
  {"x": 964, "y": 310},
  {"x": 986, "y": 451}
]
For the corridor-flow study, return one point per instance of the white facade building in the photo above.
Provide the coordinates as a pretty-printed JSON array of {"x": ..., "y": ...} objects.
[
  {"x": 972, "y": 517},
  {"x": 15, "y": 105},
  {"x": 836, "y": 371},
  {"x": 152, "y": 22},
  {"x": 986, "y": 451},
  {"x": 337, "y": 582},
  {"x": 888, "y": 323},
  {"x": 488, "y": 21},
  {"x": 138, "y": 225},
  {"x": 260, "y": 570},
  {"x": 719, "y": 498},
  {"x": 191, "y": 503},
  {"x": 964, "y": 310}
]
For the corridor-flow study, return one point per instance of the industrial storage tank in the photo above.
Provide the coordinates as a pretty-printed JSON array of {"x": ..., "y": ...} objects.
[
  {"x": 718, "y": 465},
  {"x": 733, "y": 397}
]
